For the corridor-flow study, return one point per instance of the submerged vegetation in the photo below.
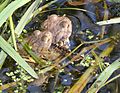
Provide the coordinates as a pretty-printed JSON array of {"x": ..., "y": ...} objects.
[{"x": 88, "y": 62}]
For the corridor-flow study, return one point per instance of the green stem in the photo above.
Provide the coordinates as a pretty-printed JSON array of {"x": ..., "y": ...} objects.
[{"x": 13, "y": 32}]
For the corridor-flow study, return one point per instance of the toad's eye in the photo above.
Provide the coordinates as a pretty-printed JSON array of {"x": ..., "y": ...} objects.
[
  {"x": 63, "y": 24},
  {"x": 44, "y": 38}
]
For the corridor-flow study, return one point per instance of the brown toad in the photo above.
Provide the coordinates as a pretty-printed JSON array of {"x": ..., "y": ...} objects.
[
  {"x": 56, "y": 30},
  {"x": 59, "y": 26}
]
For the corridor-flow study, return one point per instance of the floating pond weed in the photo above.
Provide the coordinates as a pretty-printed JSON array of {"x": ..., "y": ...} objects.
[{"x": 22, "y": 79}]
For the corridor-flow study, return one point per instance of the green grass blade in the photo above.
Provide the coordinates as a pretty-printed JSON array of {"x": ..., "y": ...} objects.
[
  {"x": 23, "y": 22},
  {"x": 33, "y": 55},
  {"x": 10, "y": 9},
  {"x": 26, "y": 17},
  {"x": 4, "y": 4},
  {"x": 106, "y": 74},
  {"x": 11, "y": 52},
  {"x": 3, "y": 56},
  {"x": 12, "y": 32},
  {"x": 20, "y": 26},
  {"x": 115, "y": 1}
]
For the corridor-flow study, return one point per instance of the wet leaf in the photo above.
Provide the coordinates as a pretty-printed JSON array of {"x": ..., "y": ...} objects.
[{"x": 81, "y": 83}]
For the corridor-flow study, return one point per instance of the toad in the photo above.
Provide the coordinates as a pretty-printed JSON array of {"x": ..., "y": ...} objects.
[{"x": 56, "y": 31}]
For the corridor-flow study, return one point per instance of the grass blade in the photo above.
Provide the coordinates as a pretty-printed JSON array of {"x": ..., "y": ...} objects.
[
  {"x": 8, "y": 11},
  {"x": 21, "y": 25},
  {"x": 26, "y": 17},
  {"x": 106, "y": 74},
  {"x": 18, "y": 29},
  {"x": 4, "y": 4},
  {"x": 110, "y": 21},
  {"x": 23, "y": 22},
  {"x": 11, "y": 52},
  {"x": 12, "y": 32},
  {"x": 81, "y": 83},
  {"x": 3, "y": 56}
]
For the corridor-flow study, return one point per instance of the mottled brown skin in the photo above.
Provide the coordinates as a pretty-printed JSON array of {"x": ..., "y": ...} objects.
[
  {"x": 56, "y": 30},
  {"x": 40, "y": 41},
  {"x": 59, "y": 26}
]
